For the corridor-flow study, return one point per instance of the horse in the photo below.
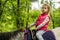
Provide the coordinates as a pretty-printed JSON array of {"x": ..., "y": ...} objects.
[{"x": 53, "y": 34}]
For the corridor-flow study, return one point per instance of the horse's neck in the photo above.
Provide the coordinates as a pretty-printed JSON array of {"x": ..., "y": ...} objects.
[{"x": 19, "y": 35}]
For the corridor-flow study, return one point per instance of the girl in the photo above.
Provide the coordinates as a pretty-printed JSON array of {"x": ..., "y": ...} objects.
[{"x": 42, "y": 22}]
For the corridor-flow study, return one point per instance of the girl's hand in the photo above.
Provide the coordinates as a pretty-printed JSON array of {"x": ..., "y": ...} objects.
[
  {"x": 24, "y": 31},
  {"x": 36, "y": 29},
  {"x": 28, "y": 27}
]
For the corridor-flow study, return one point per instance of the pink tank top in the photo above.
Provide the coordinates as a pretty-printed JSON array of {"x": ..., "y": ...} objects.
[{"x": 40, "y": 20}]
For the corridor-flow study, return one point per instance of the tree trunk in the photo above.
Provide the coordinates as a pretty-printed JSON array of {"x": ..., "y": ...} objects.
[
  {"x": 27, "y": 7},
  {"x": 18, "y": 24}
]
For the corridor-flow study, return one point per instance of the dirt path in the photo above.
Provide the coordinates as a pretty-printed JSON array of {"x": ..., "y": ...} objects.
[{"x": 56, "y": 32}]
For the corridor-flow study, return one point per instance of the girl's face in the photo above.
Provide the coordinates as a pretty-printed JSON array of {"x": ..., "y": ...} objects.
[{"x": 44, "y": 9}]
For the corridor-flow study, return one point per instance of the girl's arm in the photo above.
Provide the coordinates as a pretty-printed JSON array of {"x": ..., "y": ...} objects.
[
  {"x": 43, "y": 23},
  {"x": 32, "y": 24}
]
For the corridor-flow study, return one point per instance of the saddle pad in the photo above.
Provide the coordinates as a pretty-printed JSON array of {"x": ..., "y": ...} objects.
[{"x": 49, "y": 36}]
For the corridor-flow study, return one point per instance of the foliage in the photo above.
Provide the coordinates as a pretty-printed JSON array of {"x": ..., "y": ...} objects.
[{"x": 17, "y": 14}]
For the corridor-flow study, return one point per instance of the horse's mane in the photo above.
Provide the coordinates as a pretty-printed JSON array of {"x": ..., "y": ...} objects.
[{"x": 10, "y": 35}]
